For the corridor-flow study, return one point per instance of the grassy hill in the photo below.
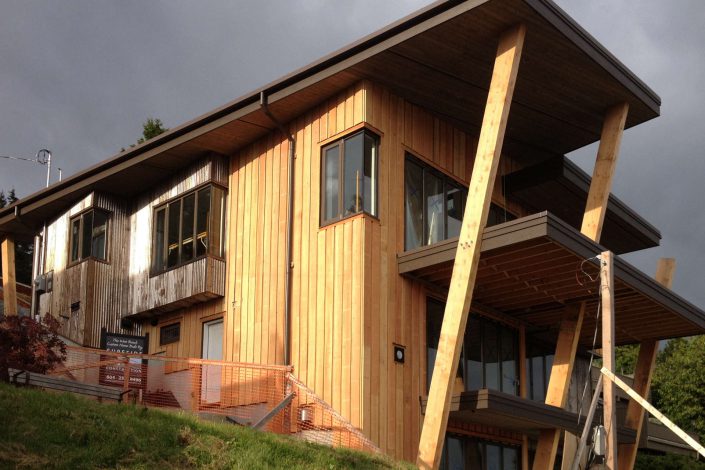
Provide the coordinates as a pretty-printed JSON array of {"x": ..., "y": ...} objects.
[{"x": 48, "y": 430}]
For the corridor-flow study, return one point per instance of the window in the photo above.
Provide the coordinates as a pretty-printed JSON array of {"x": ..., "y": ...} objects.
[
  {"x": 434, "y": 205},
  {"x": 539, "y": 360},
  {"x": 88, "y": 237},
  {"x": 490, "y": 352},
  {"x": 188, "y": 228},
  {"x": 169, "y": 333},
  {"x": 349, "y": 177},
  {"x": 461, "y": 452}
]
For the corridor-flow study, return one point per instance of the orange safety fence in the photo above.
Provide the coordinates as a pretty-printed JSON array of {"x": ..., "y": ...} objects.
[{"x": 266, "y": 397}]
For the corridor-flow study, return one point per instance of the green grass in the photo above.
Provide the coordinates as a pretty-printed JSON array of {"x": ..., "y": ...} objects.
[{"x": 49, "y": 430}]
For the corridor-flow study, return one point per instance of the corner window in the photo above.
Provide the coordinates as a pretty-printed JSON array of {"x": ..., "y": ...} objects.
[
  {"x": 188, "y": 228},
  {"x": 88, "y": 237},
  {"x": 349, "y": 177},
  {"x": 434, "y": 205}
]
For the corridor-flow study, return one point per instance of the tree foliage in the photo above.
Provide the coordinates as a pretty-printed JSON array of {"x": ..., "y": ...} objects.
[
  {"x": 151, "y": 128},
  {"x": 23, "y": 250},
  {"x": 678, "y": 389},
  {"x": 29, "y": 345}
]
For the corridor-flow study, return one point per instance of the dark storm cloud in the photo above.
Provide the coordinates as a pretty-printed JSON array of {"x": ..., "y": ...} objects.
[{"x": 79, "y": 77}]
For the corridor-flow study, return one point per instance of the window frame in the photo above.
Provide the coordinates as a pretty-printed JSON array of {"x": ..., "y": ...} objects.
[
  {"x": 448, "y": 182},
  {"x": 340, "y": 143},
  {"x": 463, "y": 373},
  {"x": 164, "y": 206},
  {"x": 80, "y": 218},
  {"x": 167, "y": 327}
]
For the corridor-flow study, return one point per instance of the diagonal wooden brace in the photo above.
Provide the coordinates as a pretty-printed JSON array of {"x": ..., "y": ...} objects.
[{"x": 467, "y": 256}]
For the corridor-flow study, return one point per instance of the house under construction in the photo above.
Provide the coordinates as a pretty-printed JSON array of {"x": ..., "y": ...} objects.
[{"x": 396, "y": 221}]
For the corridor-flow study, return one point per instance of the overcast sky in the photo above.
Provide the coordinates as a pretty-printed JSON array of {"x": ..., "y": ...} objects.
[{"x": 79, "y": 78}]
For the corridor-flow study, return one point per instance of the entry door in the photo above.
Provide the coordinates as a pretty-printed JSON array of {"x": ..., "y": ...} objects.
[{"x": 213, "y": 350}]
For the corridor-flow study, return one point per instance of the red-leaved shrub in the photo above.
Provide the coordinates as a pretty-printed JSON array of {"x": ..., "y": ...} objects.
[{"x": 29, "y": 345}]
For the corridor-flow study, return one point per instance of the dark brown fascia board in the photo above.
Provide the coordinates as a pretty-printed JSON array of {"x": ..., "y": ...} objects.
[
  {"x": 551, "y": 227},
  {"x": 597, "y": 52},
  {"x": 331, "y": 64}
]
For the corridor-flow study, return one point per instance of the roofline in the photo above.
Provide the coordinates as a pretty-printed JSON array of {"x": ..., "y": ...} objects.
[{"x": 382, "y": 39}]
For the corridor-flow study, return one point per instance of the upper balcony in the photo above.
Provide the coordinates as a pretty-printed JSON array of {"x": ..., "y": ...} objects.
[{"x": 532, "y": 267}]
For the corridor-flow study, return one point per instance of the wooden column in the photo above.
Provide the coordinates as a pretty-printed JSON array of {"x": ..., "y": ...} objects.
[
  {"x": 559, "y": 382},
  {"x": 9, "y": 285},
  {"x": 593, "y": 218},
  {"x": 609, "y": 399},
  {"x": 606, "y": 162},
  {"x": 642, "y": 375},
  {"x": 467, "y": 258}
]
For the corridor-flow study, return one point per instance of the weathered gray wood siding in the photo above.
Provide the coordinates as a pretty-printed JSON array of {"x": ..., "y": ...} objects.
[
  {"x": 98, "y": 288},
  {"x": 182, "y": 286}
]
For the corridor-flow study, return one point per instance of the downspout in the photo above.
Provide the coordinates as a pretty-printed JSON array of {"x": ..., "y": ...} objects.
[{"x": 289, "y": 226}]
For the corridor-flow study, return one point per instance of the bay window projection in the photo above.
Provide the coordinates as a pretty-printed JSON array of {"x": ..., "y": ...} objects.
[
  {"x": 88, "y": 236},
  {"x": 188, "y": 228},
  {"x": 349, "y": 177}
]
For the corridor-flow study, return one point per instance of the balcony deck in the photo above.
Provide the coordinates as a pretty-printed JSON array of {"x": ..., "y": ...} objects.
[{"x": 530, "y": 268}]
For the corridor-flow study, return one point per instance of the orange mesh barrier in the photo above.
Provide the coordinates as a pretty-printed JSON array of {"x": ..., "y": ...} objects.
[{"x": 267, "y": 397}]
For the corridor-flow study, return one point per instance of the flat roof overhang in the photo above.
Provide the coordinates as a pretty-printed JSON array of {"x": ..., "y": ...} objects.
[
  {"x": 493, "y": 408},
  {"x": 559, "y": 186},
  {"x": 532, "y": 267},
  {"x": 439, "y": 58}
]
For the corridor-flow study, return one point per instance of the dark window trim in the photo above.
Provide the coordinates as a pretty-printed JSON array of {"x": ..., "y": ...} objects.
[
  {"x": 164, "y": 206},
  {"x": 108, "y": 221},
  {"x": 340, "y": 142}
]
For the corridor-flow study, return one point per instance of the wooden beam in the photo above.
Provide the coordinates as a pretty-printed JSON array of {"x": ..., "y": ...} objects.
[
  {"x": 642, "y": 375},
  {"x": 467, "y": 259},
  {"x": 606, "y": 161},
  {"x": 609, "y": 399},
  {"x": 559, "y": 382},
  {"x": 593, "y": 218},
  {"x": 9, "y": 284}
]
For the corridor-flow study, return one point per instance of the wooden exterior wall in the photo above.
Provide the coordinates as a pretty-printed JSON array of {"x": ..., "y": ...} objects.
[
  {"x": 99, "y": 287},
  {"x": 349, "y": 304},
  {"x": 108, "y": 291},
  {"x": 191, "y": 319}
]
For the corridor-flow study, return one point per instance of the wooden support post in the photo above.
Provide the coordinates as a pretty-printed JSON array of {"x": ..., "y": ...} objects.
[
  {"x": 9, "y": 285},
  {"x": 467, "y": 258},
  {"x": 559, "y": 382},
  {"x": 609, "y": 399},
  {"x": 593, "y": 218},
  {"x": 642, "y": 376},
  {"x": 607, "y": 153}
]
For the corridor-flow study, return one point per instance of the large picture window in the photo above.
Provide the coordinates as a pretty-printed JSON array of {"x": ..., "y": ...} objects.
[
  {"x": 188, "y": 228},
  {"x": 434, "y": 205},
  {"x": 349, "y": 177},
  {"x": 490, "y": 354},
  {"x": 89, "y": 236}
]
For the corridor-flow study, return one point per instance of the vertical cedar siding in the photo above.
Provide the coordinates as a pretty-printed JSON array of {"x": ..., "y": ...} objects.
[{"x": 349, "y": 305}]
